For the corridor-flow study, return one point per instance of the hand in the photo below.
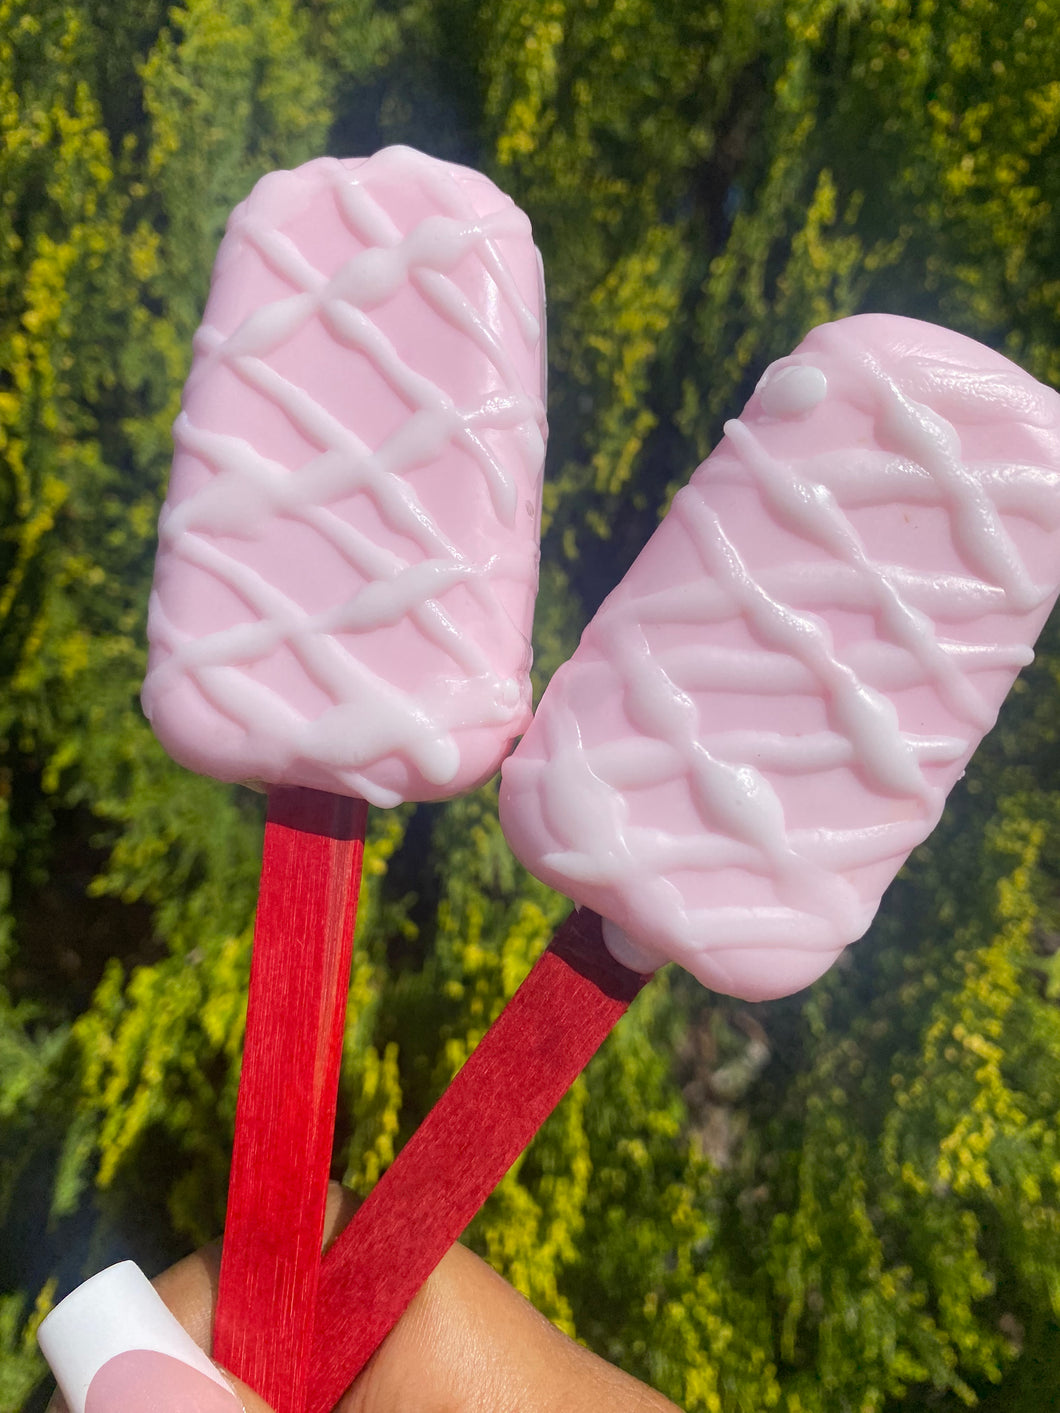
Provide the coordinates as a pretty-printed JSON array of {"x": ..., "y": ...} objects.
[{"x": 468, "y": 1343}]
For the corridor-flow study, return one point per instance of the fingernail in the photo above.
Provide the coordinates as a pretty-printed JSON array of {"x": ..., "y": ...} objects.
[{"x": 114, "y": 1347}]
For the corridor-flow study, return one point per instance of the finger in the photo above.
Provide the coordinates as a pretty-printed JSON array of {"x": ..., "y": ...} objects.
[
  {"x": 190, "y": 1287},
  {"x": 245, "y": 1397},
  {"x": 469, "y": 1343},
  {"x": 114, "y": 1345}
]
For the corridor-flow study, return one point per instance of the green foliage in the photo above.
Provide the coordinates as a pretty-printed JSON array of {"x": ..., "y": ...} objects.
[
  {"x": 844, "y": 1201},
  {"x": 126, "y": 140},
  {"x": 21, "y": 1364},
  {"x": 493, "y": 921}
]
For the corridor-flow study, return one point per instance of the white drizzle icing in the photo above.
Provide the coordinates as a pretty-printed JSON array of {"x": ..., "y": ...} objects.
[
  {"x": 247, "y": 491},
  {"x": 569, "y": 801},
  {"x": 792, "y": 390},
  {"x": 811, "y": 510},
  {"x": 927, "y": 438}
]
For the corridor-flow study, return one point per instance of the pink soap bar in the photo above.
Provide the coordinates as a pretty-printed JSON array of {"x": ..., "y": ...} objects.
[
  {"x": 348, "y": 552},
  {"x": 766, "y": 716}
]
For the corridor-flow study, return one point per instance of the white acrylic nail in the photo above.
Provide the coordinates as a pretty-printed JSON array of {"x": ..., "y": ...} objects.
[{"x": 115, "y": 1312}]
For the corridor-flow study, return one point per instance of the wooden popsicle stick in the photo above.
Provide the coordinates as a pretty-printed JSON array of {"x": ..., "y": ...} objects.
[
  {"x": 522, "y": 1067},
  {"x": 285, "y": 1110}
]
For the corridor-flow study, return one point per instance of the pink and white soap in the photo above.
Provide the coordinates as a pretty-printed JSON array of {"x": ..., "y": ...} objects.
[
  {"x": 348, "y": 552},
  {"x": 766, "y": 716}
]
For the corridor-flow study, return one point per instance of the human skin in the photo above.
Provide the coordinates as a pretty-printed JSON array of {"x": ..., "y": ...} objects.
[{"x": 468, "y": 1343}]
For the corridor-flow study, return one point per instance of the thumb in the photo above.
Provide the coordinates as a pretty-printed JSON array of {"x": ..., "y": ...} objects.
[{"x": 115, "y": 1347}]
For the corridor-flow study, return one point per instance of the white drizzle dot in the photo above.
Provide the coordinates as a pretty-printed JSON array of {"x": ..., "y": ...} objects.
[{"x": 792, "y": 390}]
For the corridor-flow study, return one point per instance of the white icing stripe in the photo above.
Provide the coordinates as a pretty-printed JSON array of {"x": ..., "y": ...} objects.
[
  {"x": 768, "y": 929},
  {"x": 811, "y": 511},
  {"x": 830, "y": 586},
  {"x": 378, "y": 473},
  {"x": 888, "y": 668},
  {"x": 451, "y": 197},
  {"x": 311, "y": 638},
  {"x": 408, "y": 257},
  {"x": 734, "y": 800},
  {"x": 1014, "y": 489},
  {"x": 247, "y": 491},
  {"x": 243, "y": 479},
  {"x": 929, "y": 439},
  {"x": 859, "y": 711},
  {"x": 841, "y": 586},
  {"x": 866, "y": 844},
  {"x": 707, "y": 819},
  {"x": 823, "y": 750}
]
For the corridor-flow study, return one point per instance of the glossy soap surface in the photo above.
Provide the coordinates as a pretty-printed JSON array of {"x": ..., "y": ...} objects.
[
  {"x": 767, "y": 715},
  {"x": 348, "y": 554}
]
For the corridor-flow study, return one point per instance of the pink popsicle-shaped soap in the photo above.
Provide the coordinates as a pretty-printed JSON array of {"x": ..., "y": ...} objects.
[
  {"x": 348, "y": 552},
  {"x": 342, "y": 605},
  {"x": 766, "y": 716}
]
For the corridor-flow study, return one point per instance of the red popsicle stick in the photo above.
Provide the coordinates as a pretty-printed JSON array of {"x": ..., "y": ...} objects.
[
  {"x": 285, "y": 1111},
  {"x": 520, "y": 1070}
]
